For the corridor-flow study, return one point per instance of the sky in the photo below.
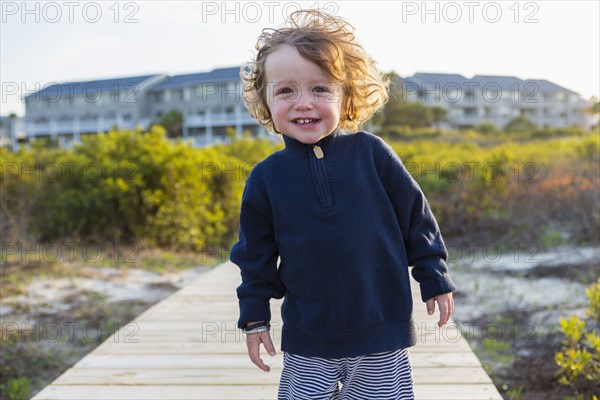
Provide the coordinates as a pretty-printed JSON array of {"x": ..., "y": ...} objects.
[{"x": 64, "y": 41}]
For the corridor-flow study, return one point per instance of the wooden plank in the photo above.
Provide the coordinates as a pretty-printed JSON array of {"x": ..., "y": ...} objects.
[
  {"x": 142, "y": 361},
  {"x": 238, "y": 376},
  {"x": 146, "y": 392},
  {"x": 234, "y": 392},
  {"x": 234, "y": 344},
  {"x": 457, "y": 392}
]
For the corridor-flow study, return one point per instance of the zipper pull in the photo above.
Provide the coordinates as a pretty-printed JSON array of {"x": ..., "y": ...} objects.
[{"x": 318, "y": 152}]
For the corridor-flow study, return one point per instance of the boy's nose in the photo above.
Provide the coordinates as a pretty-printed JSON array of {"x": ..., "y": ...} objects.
[{"x": 303, "y": 102}]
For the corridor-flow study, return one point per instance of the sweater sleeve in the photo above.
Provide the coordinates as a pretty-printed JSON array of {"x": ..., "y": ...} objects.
[
  {"x": 423, "y": 241},
  {"x": 256, "y": 254}
]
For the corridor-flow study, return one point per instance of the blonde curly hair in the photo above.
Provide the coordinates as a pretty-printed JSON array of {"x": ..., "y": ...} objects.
[{"x": 329, "y": 42}]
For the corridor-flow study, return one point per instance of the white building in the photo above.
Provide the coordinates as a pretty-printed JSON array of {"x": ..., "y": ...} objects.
[
  {"x": 63, "y": 112},
  {"x": 498, "y": 99},
  {"x": 211, "y": 102}
]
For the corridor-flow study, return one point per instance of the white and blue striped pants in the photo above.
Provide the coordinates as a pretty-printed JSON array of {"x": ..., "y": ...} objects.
[{"x": 375, "y": 376}]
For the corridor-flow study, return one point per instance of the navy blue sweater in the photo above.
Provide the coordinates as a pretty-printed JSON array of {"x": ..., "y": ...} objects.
[{"x": 346, "y": 227}]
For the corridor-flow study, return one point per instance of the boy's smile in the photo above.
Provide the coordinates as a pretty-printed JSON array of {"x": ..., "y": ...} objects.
[{"x": 304, "y": 101}]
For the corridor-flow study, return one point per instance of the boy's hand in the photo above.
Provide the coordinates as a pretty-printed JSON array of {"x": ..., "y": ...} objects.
[
  {"x": 446, "y": 305},
  {"x": 253, "y": 341}
]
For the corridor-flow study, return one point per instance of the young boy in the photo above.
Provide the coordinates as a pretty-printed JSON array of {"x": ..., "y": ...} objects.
[{"x": 343, "y": 215}]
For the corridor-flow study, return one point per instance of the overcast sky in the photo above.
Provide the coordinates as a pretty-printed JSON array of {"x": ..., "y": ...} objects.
[{"x": 61, "y": 41}]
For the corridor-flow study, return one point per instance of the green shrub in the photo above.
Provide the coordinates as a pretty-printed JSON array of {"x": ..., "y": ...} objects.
[
  {"x": 18, "y": 389},
  {"x": 127, "y": 186},
  {"x": 486, "y": 128},
  {"x": 579, "y": 357},
  {"x": 520, "y": 124},
  {"x": 132, "y": 186}
]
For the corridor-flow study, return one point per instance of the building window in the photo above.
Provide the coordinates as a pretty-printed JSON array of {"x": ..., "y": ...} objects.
[
  {"x": 199, "y": 90},
  {"x": 507, "y": 96},
  {"x": 232, "y": 86},
  {"x": 492, "y": 94},
  {"x": 177, "y": 95},
  {"x": 469, "y": 94},
  {"x": 452, "y": 95},
  {"x": 528, "y": 112},
  {"x": 470, "y": 111},
  {"x": 157, "y": 97},
  {"x": 89, "y": 118}
]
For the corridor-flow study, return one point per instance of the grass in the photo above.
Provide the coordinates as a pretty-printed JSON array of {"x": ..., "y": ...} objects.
[
  {"x": 19, "y": 269},
  {"x": 41, "y": 357}
]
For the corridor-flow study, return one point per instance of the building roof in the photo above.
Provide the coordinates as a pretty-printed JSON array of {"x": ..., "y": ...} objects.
[
  {"x": 505, "y": 82},
  {"x": 431, "y": 79},
  {"x": 184, "y": 80},
  {"x": 547, "y": 86},
  {"x": 57, "y": 90},
  {"x": 426, "y": 80}
]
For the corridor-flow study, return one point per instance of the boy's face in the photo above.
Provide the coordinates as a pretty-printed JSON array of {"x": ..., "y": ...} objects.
[{"x": 304, "y": 101}]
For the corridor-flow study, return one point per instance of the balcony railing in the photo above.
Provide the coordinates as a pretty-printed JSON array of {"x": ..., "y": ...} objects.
[
  {"x": 218, "y": 119},
  {"x": 78, "y": 126}
]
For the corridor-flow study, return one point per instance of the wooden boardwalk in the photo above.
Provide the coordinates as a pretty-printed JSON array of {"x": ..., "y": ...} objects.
[{"x": 187, "y": 347}]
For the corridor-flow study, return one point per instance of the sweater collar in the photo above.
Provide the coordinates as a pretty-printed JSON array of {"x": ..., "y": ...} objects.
[{"x": 297, "y": 149}]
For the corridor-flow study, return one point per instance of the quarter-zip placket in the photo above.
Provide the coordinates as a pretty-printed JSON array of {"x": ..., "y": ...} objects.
[{"x": 319, "y": 175}]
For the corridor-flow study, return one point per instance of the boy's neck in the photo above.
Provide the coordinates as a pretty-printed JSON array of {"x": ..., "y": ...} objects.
[
  {"x": 297, "y": 149},
  {"x": 287, "y": 139}
]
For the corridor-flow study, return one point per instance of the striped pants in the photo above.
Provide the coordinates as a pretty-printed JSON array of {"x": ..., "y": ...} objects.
[{"x": 372, "y": 377}]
